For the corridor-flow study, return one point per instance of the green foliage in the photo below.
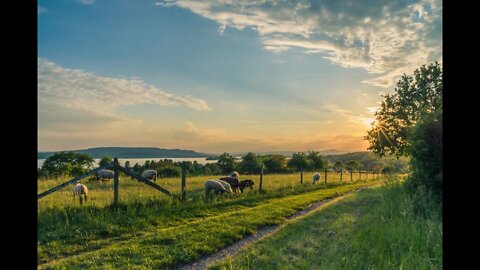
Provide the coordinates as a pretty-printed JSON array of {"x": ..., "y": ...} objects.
[
  {"x": 299, "y": 161},
  {"x": 42, "y": 174},
  {"x": 366, "y": 159},
  {"x": 317, "y": 161},
  {"x": 427, "y": 151},
  {"x": 275, "y": 163},
  {"x": 226, "y": 163},
  {"x": 137, "y": 168},
  {"x": 67, "y": 163},
  {"x": 169, "y": 171},
  {"x": 351, "y": 165},
  {"x": 105, "y": 160},
  {"x": 415, "y": 96},
  {"x": 250, "y": 164},
  {"x": 338, "y": 166},
  {"x": 387, "y": 169},
  {"x": 376, "y": 167}
]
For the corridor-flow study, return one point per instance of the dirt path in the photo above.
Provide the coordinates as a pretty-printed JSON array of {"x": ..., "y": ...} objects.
[{"x": 263, "y": 232}]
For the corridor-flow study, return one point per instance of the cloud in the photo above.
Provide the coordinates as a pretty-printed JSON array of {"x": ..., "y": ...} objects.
[
  {"x": 384, "y": 37},
  {"x": 41, "y": 10},
  {"x": 81, "y": 90},
  {"x": 86, "y": 2},
  {"x": 192, "y": 131},
  {"x": 359, "y": 119}
]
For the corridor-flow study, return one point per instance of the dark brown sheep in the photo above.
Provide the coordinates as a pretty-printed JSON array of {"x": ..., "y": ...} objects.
[
  {"x": 232, "y": 181},
  {"x": 245, "y": 183}
]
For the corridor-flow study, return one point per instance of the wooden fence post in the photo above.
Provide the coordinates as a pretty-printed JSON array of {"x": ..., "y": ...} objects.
[
  {"x": 301, "y": 176},
  {"x": 351, "y": 175},
  {"x": 325, "y": 176},
  {"x": 359, "y": 175},
  {"x": 341, "y": 175},
  {"x": 184, "y": 180},
  {"x": 115, "y": 181},
  {"x": 261, "y": 178}
]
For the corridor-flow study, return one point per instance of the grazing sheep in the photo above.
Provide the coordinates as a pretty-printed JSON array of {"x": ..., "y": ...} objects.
[
  {"x": 105, "y": 174},
  {"x": 225, "y": 185},
  {"x": 245, "y": 183},
  {"x": 235, "y": 174},
  {"x": 316, "y": 177},
  {"x": 80, "y": 190},
  {"x": 232, "y": 181},
  {"x": 150, "y": 174},
  {"x": 217, "y": 186}
]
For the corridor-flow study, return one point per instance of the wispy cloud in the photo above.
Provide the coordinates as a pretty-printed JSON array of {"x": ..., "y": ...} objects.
[
  {"x": 384, "y": 37},
  {"x": 41, "y": 10},
  {"x": 82, "y": 90},
  {"x": 349, "y": 116}
]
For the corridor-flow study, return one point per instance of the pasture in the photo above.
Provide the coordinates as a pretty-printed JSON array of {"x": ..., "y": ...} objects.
[
  {"x": 371, "y": 229},
  {"x": 149, "y": 230}
]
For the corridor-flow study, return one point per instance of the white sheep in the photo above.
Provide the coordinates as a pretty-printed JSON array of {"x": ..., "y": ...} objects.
[
  {"x": 105, "y": 174},
  {"x": 80, "y": 190},
  {"x": 235, "y": 174},
  {"x": 316, "y": 177},
  {"x": 218, "y": 186},
  {"x": 150, "y": 174}
]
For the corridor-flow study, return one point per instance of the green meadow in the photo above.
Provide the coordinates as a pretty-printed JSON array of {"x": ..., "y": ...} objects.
[
  {"x": 148, "y": 229},
  {"x": 375, "y": 228}
]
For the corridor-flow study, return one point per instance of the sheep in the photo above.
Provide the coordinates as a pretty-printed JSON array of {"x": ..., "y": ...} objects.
[
  {"x": 235, "y": 174},
  {"x": 217, "y": 186},
  {"x": 316, "y": 177},
  {"x": 150, "y": 174},
  {"x": 245, "y": 183},
  {"x": 225, "y": 185},
  {"x": 105, "y": 174},
  {"x": 232, "y": 181},
  {"x": 80, "y": 190}
]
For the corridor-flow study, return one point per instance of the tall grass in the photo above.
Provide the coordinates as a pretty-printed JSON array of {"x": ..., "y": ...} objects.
[{"x": 373, "y": 229}]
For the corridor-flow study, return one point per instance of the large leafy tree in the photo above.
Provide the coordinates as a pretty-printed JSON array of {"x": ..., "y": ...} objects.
[
  {"x": 226, "y": 162},
  {"x": 274, "y": 163},
  {"x": 299, "y": 161},
  {"x": 67, "y": 163},
  {"x": 105, "y": 160},
  {"x": 338, "y": 166},
  {"x": 250, "y": 163},
  {"x": 351, "y": 165},
  {"x": 317, "y": 160},
  {"x": 426, "y": 151},
  {"x": 415, "y": 96}
]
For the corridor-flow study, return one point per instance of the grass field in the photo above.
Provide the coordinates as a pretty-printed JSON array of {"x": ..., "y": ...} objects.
[
  {"x": 372, "y": 229},
  {"x": 149, "y": 230}
]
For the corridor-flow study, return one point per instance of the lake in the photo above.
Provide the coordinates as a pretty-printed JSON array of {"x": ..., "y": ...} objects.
[{"x": 141, "y": 161}]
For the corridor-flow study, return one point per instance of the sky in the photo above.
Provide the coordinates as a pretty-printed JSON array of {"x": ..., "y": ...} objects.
[{"x": 220, "y": 76}]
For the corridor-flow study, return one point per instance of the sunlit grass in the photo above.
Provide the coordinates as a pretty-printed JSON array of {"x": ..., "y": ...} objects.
[
  {"x": 373, "y": 229},
  {"x": 67, "y": 229}
]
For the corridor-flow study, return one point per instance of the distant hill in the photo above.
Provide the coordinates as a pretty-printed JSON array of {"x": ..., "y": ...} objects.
[{"x": 133, "y": 152}]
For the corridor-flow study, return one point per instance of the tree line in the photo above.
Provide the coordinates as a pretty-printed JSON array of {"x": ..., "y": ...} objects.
[{"x": 74, "y": 164}]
